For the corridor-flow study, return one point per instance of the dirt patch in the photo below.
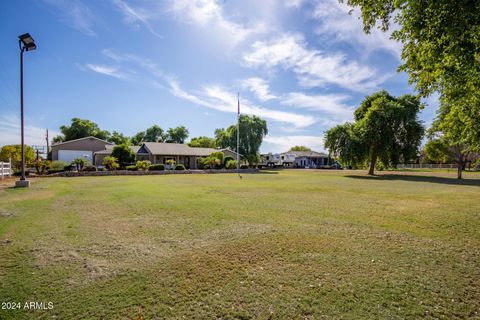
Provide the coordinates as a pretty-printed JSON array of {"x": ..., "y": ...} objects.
[{"x": 5, "y": 214}]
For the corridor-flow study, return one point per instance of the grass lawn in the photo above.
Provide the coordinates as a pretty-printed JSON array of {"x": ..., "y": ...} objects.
[{"x": 282, "y": 245}]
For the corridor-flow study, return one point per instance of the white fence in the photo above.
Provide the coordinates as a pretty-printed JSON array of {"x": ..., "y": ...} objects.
[
  {"x": 427, "y": 166},
  {"x": 5, "y": 169}
]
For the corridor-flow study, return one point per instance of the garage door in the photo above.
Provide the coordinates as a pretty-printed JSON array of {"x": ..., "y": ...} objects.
[{"x": 70, "y": 155}]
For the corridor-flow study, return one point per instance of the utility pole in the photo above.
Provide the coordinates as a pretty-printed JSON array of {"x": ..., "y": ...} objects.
[
  {"x": 238, "y": 133},
  {"x": 48, "y": 146}
]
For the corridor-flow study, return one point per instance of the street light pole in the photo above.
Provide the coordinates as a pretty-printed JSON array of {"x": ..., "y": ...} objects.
[
  {"x": 22, "y": 177},
  {"x": 25, "y": 43}
]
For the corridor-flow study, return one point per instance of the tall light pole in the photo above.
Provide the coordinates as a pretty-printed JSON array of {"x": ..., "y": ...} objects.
[{"x": 25, "y": 43}]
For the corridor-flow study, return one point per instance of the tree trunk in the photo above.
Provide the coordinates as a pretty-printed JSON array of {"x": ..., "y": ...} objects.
[
  {"x": 373, "y": 161},
  {"x": 459, "y": 170}
]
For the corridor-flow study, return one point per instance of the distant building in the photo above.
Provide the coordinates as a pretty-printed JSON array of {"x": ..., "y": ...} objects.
[
  {"x": 79, "y": 148},
  {"x": 310, "y": 159}
]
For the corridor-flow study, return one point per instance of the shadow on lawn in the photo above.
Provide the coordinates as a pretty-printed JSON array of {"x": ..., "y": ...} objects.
[{"x": 442, "y": 180}]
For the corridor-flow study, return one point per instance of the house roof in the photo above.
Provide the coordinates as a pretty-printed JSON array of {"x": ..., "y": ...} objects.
[
  {"x": 174, "y": 149},
  {"x": 109, "y": 149},
  {"x": 311, "y": 154},
  {"x": 89, "y": 137}
]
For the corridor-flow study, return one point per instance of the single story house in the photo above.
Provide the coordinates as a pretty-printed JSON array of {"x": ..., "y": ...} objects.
[
  {"x": 160, "y": 152},
  {"x": 95, "y": 150},
  {"x": 79, "y": 148},
  {"x": 310, "y": 159}
]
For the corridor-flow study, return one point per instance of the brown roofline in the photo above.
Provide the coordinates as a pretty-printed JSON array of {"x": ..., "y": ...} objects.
[{"x": 60, "y": 143}]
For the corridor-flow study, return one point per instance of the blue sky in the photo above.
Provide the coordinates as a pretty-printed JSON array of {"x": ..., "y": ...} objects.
[{"x": 303, "y": 66}]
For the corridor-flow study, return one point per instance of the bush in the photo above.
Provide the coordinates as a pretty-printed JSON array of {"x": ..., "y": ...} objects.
[
  {"x": 243, "y": 166},
  {"x": 42, "y": 165},
  {"x": 110, "y": 162},
  {"x": 90, "y": 168},
  {"x": 218, "y": 155},
  {"x": 58, "y": 166},
  {"x": 143, "y": 165},
  {"x": 79, "y": 163},
  {"x": 156, "y": 167},
  {"x": 180, "y": 167},
  {"x": 131, "y": 168},
  {"x": 212, "y": 163},
  {"x": 231, "y": 164},
  {"x": 201, "y": 163},
  {"x": 228, "y": 159}
]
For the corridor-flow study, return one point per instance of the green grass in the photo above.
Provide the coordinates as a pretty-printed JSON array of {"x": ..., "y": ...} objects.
[{"x": 284, "y": 245}]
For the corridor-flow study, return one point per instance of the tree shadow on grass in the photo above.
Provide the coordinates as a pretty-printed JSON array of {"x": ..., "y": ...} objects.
[
  {"x": 415, "y": 178},
  {"x": 266, "y": 172}
]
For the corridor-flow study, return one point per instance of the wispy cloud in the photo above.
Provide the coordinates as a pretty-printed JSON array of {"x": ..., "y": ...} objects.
[
  {"x": 217, "y": 98},
  {"x": 134, "y": 15},
  {"x": 284, "y": 143},
  {"x": 210, "y": 14},
  {"x": 312, "y": 67},
  {"x": 73, "y": 13},
  {"x": 10, "y": 131},
  {"x": 340, "y": 22},
  {"x": 331, "y": 104},
  {"x": 259, "y": 87},
  {"x": 106, "y": 70}
]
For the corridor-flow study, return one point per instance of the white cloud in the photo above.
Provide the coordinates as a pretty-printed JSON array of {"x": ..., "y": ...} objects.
[
  {"x": 10, "y": 131},
  {"x": 259, "y": 87},
  {"x": 135, "y": 15},
  {"x": 312, "y": 67},
  {"x": 336, "y": 21},
  {"x": 332, "y": 104},
  {"x": 219, "y": 99},
  {"x": 75, "y": 14},
  {"x": 107, "y": 70},
  {"x": 293, "y": 3},
  {"x": 210, "y": 14},
  {"x": 284, "y": 143}
]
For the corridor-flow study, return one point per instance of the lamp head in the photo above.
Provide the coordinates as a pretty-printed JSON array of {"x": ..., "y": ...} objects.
[{"x": 27, "y": 41}]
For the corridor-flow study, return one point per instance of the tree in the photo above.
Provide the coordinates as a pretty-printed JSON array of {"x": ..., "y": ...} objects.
[
  {"x": 177, "y": 135},
  {"x": 445, "y": 140},
  {"x": 202, "y": 142},
  {"x": 138, "y": 138},
  {"x": 80, "y": 163},
  {"x": 124, "y": 154},
  {"x": 252, "y": 131},
  {"x": 118, "y": 138},
  {"x": 14, "y": 152},
  {"x": 110, "y": 162},
  {"x": 386, "y": 129},
  {"x": 81, "y": 128},
  {"x": 300, "y": 148},
  {"x": 440, "y": 49},
  {"x": 154, "y": 134}
]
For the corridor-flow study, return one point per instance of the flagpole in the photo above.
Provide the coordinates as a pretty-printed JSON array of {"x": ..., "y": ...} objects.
[{"x": 238, "y": 133}]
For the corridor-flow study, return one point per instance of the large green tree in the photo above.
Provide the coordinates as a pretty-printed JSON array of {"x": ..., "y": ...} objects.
[
  {"x": 81, "y": 128},
  {"x": 154, "y": 134},
  {"x": 446, "y": 140},
  {"x": 124, "y": 155},
  {"x": 252, "y": 131},
  {"x": 202, "y": 142},
  {"x": 441, "y": 52},
  {"x": 386, "y": 129},
  {"x": 118, "y": 138},
  {"x": 14, "y": 153},
  {"x": 177, "y": 135}
]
